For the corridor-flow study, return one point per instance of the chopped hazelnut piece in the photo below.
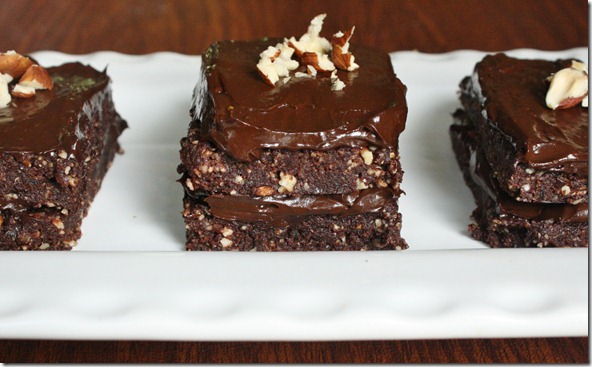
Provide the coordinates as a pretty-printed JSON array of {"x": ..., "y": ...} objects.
[
  {"x": 317, "y": 60},
  {"x": 264, "y": 191},
  {"x": 21, "y": 91},
  {"x": 287, "y": 182},
  {"x": 5, "y": 78},
  {"x": 276, "y": 62},
  {"x": 299, "y": 74},
  {"x": 367, "y": 156},
  {"x": 312, "y": 48},
  {"x": 32, "y": 77},
  {"x": 337, "y": 84},
  {"x": 314, "y": 51},
  {"x": 225, "y": 242},
  {"x": 14, "y": 64},
  {"x": 36, "y": 77},
  {"x": 4, "y": 94},
  {"x": 568, "y": 87},
  {"x": 342, "y": 58},
  {"x": 311, "y": 41}
]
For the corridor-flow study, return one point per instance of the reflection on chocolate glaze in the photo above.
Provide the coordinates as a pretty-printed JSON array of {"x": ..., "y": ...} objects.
[{"x": 242, "y": 115}]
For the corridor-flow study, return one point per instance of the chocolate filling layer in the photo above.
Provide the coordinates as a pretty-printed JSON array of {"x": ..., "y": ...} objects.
[{"x": 281, "y": 212}]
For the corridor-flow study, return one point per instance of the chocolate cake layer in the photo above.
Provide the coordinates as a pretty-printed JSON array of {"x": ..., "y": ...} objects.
[
  {"x": 501, "y": 221},
  {"x": 317, "y": 229},
  {"x": 280, "y": 171},
  {"x": 40, "y": 228},
  {"x": 539, "y": 154},
  {"x": 55, "y": 149},
  {"x": 297, "y": 166}
]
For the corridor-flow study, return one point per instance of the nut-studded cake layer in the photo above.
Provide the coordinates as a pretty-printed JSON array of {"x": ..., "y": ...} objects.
[
  {"x": 500, "y": 231},
  {"x": 55, "y": 149},
  {"x": 40, "y": 228},
  {"x": 54, "y": 225},
  {"x": 283, "y": 172},
  {"x": 378, "y": 230},
  {"x": 538, "y": 154}
]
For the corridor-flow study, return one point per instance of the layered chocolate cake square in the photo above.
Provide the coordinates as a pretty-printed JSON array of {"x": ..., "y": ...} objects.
[
  {"x": 524, "y": 155},
  {"x": 58, "y": 137},
  {"x": 293, "y": 146}
]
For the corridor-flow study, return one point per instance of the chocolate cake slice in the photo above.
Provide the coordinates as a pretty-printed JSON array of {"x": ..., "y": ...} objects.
[
  {"x": 507, "y": 136},
  {"x": 539, "y": 154},
  {"x": 55, "y": 148},
  {"x": 297, "y": 165}
]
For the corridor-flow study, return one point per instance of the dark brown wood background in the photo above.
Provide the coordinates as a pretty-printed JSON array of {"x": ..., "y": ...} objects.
[
  {"x": 189, "y": 26},
  {"x": 144, "y": 26}
]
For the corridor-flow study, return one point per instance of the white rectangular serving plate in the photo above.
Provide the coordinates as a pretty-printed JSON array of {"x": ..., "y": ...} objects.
[{"x": 130, "y": 278}]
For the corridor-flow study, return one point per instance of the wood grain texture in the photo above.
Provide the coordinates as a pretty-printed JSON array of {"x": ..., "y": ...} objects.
[
  {"x": 551, "y": 350},
  {"x": 189, "y": 26}
]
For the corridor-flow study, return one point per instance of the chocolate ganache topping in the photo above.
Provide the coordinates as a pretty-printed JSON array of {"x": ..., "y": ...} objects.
[
  {"x": 512, "y": 92},
  {"x": 242, "y": 115},
  {"x": 48, "y": 121}
]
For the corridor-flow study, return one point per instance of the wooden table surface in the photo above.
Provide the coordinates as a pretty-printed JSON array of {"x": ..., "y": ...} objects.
[{"x": 143, "y": 26}]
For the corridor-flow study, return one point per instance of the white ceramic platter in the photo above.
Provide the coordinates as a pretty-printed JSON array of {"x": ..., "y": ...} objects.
[{"x": 129, "y": 277}]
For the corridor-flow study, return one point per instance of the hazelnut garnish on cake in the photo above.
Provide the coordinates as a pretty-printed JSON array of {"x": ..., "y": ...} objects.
[{"x": 26, "y": 75}]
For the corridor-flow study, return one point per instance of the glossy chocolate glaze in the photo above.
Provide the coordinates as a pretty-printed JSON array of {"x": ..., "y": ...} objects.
[
  {"x": 235, "y": 109},
  {"x": 48, "y": 121},
  {"x": 482, "y": 175},
  {"x": 512, "y": 92},
  {"x": 282, "y": 212}
]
